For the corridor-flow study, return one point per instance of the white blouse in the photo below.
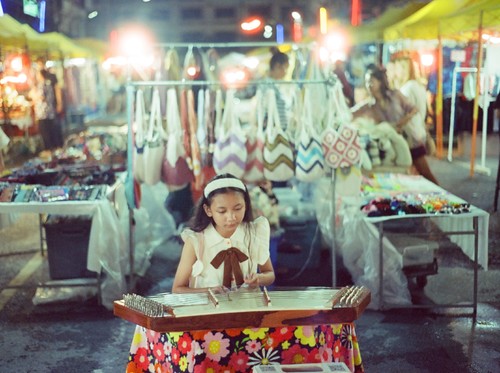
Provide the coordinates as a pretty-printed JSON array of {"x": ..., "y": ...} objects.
[{"x": 252, "y": 239}]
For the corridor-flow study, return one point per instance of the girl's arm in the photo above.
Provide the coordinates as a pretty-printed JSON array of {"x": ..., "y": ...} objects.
[
  {"x": 183, "y": 274},
  {"x": 265, "y": 277}
]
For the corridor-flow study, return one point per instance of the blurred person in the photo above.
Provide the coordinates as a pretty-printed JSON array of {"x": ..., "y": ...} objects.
[
  {"x": 46, "y": 95},
  {"x": 278, "y": 68},
  {"x": 390, "y": 105},
  {"x": 340, "y": 71}
]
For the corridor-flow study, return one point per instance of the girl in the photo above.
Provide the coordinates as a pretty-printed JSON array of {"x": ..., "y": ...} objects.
[
  {"x": 390, "y": 105},
  {"x": 222, "y": 226}
]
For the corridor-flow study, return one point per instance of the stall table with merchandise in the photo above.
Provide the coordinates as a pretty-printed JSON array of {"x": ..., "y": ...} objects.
[
  {"x": 106, "y": 251},
  {"x": 391, "y": 197}
]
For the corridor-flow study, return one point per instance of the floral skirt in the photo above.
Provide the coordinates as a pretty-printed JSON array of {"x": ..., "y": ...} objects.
[{"x": 239, "y": 350}]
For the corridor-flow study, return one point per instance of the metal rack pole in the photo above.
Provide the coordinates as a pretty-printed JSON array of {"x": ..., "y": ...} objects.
[
  {"x": 173, "y": 83},
  {"x": 231, "y": 45}
]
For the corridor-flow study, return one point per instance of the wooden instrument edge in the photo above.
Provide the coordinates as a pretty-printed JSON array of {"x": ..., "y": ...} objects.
[{"x": 249, "y": 319}]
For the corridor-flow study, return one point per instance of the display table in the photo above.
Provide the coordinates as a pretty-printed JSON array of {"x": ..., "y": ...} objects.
[
  {"x": 238, "y": 350},
  {"x": 107, "y": 249},
  {"x": 468, "y": 230},
  {"x": 390, "y": 185}
]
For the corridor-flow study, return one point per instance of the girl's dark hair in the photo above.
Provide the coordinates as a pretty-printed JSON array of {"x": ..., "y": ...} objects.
[
  {"x": 380, "y": 74},
  {"x": 278, "y": 58},
  {"x": 200, "y": 220}
]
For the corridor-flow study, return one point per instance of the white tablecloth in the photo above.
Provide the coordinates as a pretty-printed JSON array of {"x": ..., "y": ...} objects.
[
  {"x": 356, "y": 237},
  {"x": 107, "y": 246},
  {"x": 388, "y": 185}
]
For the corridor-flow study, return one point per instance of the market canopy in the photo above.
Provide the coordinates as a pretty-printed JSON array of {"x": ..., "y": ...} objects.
[
  {"x": 14, "y": 34},
  {"x": 97, "y": 47},
  {"x": 465, "y": 23},
  {"x": 66, "y": 46},
  {"x": 11, "y": 33},
  {"x": 373, "y": 31},
  {"x": 424, "y": 24}
]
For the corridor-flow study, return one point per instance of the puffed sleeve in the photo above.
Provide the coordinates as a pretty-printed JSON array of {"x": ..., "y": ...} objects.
[
  {"x": 193, "y": 238},
  {"x": 261, "y": 239}
]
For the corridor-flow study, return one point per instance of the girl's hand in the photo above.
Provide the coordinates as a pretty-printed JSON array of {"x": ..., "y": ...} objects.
[{"x": 252, "y": 280}]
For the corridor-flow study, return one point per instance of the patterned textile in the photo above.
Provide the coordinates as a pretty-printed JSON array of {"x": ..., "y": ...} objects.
[
  {"x": 238, "y": 350},
  {"x": 341, "y": 149}
]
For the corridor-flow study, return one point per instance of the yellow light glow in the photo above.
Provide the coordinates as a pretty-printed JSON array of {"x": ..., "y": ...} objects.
[
  {"x": 323, "y": 20},
  {"x": 135, "y": 42},
  {"x": 335, "y": 41},
  {"x": 427, "y": 59},
  {"x": 19, "y": 79},
  {"x": 17, "y": 64}
]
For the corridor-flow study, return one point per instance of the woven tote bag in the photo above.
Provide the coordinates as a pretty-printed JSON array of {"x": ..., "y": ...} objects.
[
  {"x": 154, "y": 146},
  {"x": 230, "y": 153},
  {"x": 175, "y": 169},
  {"x": 278, "y": 152},
  {"x": 254, "y": 168},
  {"x": 309, "y": 163}
]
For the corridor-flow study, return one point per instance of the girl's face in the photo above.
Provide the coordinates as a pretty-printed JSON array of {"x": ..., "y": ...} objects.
[
  {"x": 227, "y": 211},
  {"x": 372, "y": 84}
]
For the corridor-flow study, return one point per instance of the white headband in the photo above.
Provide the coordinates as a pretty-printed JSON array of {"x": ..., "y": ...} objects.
[{"x": 227, "y": 182}]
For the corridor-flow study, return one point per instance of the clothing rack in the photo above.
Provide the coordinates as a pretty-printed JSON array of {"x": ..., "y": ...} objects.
[
  {"x": 232, "y": 45},
  {"x": 130, "y": 91},
  {"x": 186, "y": 82}
]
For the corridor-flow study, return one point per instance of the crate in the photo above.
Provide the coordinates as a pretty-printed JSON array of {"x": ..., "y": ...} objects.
[
  {"x": 302, "y": 368},
  {"x": 67, "y": 240}
]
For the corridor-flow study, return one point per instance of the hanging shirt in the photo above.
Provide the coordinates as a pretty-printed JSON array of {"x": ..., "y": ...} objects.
[{"x": 252, "y": 239}]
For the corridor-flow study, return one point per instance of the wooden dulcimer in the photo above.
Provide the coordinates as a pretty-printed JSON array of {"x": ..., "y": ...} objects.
[{"x": 244, "y": 308}]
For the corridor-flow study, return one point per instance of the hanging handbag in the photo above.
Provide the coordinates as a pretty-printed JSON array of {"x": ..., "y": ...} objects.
[
  {"x": 154, "y": 146},
  {"x": 278, "y": 152},
  {"x": 195, "y": 147},
  {"x": 254, "y": 168},
  {"x": 139, "y": 124},
  {"x": 342, "y": 147},
  {"x": 230, "y": 153},
  {"x": 309, "y": 164},
  {"x": 175, "y": 169}
]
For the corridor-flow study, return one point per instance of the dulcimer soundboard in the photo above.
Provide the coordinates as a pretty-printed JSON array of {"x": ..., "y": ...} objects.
[{"x": 244, "y": 308}]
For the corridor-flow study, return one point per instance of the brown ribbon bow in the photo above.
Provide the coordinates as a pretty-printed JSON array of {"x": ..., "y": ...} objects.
[{"x": 232, "y": 258}]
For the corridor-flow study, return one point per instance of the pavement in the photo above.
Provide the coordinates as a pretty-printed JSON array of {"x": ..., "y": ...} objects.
[{"x": 70, "y": 332}]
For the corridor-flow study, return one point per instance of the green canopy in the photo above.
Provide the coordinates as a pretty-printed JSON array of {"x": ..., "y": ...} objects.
[
  {"x": 11, "y": 33},
  {"x": 65, "y": 46},
  {"x": 424, "y": 23}
]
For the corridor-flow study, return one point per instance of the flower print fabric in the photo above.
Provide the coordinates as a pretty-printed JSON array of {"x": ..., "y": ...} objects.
[{"x": 239, "y": 350}]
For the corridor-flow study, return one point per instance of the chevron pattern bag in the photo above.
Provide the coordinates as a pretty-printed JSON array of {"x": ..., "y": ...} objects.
[
  {"x": 278, "y": 151},
  {"x": 254, "y": 169},
  {"x": 230, "y": 153},
  {"x": 309, "y": 164}
]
